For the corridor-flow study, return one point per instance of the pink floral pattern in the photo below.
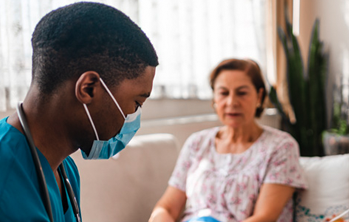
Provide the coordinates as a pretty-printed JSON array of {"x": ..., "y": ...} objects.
[{"x": 225, "y": 186}]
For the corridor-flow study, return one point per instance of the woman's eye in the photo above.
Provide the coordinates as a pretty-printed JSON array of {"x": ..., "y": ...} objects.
[{"x": 242, "y": 93}]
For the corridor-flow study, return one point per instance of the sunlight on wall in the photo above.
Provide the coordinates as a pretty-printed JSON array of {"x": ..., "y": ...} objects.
[
  {"x": 345, "y": 75},
  {"x": 345, "y": 10}
]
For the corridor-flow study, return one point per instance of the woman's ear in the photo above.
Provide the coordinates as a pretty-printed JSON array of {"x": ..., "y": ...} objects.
[
  {"x": 260, "y": 96},
  {"x": 85, "y": 86}
]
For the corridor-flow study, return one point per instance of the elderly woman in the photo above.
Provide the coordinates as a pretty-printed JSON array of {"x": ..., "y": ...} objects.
[{"x": 241, "y": 171}]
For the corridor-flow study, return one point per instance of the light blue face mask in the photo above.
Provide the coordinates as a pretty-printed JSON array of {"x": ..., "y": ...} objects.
[{"x": 105, "y": 149}]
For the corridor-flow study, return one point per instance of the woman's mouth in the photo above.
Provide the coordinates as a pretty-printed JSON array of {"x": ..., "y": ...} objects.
[{"x": 233, "y": 114}]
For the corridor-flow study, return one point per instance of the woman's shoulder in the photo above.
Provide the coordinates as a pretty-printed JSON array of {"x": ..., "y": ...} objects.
[
  {"x": 277, "y": 136},
  {"x": 205, "y": 133},
  {"x": 278, "y": 142},
  {"x": 201, "y": 138}
]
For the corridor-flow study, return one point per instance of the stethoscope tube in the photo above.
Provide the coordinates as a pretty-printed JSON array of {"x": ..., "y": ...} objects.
[
  {"x": 38, "y": 167},
  {"x": 40, "y": 172},
  {"x": 71, "y": 194}
]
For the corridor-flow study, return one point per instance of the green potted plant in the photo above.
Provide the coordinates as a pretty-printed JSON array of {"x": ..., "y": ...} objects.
[
  {"x": 306, "y": 90},
  {"x": 336, "y": 139}
]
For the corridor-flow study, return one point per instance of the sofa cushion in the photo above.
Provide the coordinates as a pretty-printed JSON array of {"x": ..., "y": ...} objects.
[
  {"x": 328, "y": 188},
  {"x": 127, "y": 188}
]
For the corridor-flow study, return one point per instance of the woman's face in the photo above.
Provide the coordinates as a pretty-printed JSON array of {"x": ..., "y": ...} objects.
[{"x": 235, "y": 98}]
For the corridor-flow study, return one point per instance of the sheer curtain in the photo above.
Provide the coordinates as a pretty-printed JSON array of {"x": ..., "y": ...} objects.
[{"x": 190, "y": 36}]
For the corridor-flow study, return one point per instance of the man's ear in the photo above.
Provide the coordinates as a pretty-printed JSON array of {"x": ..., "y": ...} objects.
[{"x": 85, "y": 86}]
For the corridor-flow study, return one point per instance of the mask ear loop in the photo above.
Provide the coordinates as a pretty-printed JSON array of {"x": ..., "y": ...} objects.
[
  {"x": 89, "y": 116},
  {"x": 111, "y": 95}
]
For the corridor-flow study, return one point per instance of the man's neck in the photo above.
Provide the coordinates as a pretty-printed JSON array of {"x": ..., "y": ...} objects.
[{"x": 48, "y": 130}]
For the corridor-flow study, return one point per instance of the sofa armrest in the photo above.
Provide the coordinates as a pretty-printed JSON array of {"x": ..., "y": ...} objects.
[
  {"x": 328, "y": 188},
  {"x": 127, "y": 188}
]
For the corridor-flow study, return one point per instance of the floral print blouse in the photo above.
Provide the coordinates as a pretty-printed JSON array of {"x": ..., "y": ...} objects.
[{"x": 226, "y": 186}]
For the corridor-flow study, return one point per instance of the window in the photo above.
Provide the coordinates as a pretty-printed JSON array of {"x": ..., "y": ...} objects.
[{"x": 190, "y": 37}]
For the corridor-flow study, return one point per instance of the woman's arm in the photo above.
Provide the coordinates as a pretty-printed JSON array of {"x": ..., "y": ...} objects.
[
  {"x": 170, "y": 206},
  {"x": 270, "y": 202}
]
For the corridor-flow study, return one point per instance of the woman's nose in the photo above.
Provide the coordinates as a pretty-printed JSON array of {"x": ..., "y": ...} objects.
[{"x": 232, "y": 100}]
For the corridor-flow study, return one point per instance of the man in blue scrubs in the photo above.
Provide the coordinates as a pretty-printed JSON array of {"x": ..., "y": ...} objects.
[{"x": 92, "y": 70}]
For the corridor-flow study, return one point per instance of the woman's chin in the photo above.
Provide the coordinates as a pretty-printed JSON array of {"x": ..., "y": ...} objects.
[{"x": 234, "y": 124}]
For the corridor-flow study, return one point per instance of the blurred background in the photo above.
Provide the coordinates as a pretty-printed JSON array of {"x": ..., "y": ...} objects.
[{"x": 191, "y": 37}]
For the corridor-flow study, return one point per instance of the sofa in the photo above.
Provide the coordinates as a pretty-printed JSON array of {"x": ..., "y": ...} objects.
[{"x": 126, "y": 187}]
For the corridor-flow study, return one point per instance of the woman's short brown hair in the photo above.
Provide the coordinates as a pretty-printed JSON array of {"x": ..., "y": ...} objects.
[{"x": 252, "y": 70}]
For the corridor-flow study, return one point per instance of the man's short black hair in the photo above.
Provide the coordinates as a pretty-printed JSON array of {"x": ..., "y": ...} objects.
[{"x": 88, "y": 36}]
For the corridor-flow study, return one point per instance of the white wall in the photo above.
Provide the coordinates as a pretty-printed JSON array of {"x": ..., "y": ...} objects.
[
  {"x": 334, "y": 32},
  {"x": 182, "y": 117},
  {"x": 165, "y": 108},
  {"x": 6, "y": 113}
]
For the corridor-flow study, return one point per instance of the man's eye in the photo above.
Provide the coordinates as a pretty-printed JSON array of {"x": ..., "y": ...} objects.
[{"x": 138, "y": 105}]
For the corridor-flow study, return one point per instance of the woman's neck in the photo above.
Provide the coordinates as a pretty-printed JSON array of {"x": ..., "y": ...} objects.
[
  {"x": 245, "y": 134},
  {"x": 237, "y": 140}
]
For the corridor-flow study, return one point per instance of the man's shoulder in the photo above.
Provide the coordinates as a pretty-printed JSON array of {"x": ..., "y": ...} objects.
[
  {"x": 13, "y": 145},
  {"x": 16, "y": 169},
  {"x": 9, "y": 134},
  {"x": 15, "y": 154},
  {"x": 4, "y": 127}
]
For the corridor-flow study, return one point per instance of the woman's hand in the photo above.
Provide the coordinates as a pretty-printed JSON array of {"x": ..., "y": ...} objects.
[
  {"x": 170, "y": 206},
  {"x": 160, "y": 215}
]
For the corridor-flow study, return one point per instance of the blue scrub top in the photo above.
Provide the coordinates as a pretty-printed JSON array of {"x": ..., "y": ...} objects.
[{"x": 20, "y": 196}]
